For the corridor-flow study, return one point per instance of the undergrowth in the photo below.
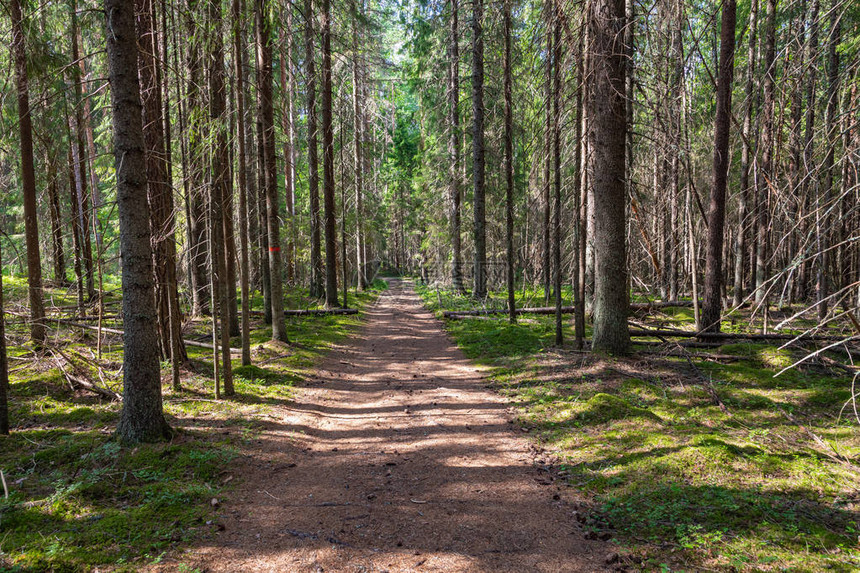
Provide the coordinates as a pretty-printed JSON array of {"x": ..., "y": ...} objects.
[{"x": 682, "y": 484}]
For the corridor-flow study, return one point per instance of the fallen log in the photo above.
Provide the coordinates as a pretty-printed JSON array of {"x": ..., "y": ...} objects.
[
  {"x": 674, "y": 333},
  {"x": 455, "y": 314},
  {"x": 121, "y": 333},
  {"x": 321, "y": 311},
  {"x": 313, "y": 312}
]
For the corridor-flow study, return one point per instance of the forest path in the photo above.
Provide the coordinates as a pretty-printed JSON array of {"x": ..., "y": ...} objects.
[{"x": 396, "y": 457}]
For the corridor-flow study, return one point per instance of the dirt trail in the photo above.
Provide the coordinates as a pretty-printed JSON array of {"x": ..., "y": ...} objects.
[{"x": 396, "y": 457}]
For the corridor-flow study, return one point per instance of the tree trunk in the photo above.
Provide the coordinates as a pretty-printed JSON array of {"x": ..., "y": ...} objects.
[
  {"x": 160, "y": 191},
  {"x": 200, "y": 287},
  {"x": 58, "y": 254},
  {"x": 556, "y": 156},
  {"x": 38, "y": 332},
  {"x": 219, "y": 195},
  {"x": 546, "y": 204},
  {"x": 478, "y": 166},
  {"x": 266, "y": 111},
  {"x": 454, "y": 193},
  {"x": 286, "y": 52},
  {"x": 509, "y": 167},
  {"x": 831, "y": 139},
  {"x": 328, "y": 164},
  {"x": 76, "y": 235},
  {"x": 578, "y": 242},
  {"x": 767, "y": 145},
  {"x": 712, "y": 306},
  {"x": 142, "y": 417},
  {"x": 316, "y": 290},
  {"x": 263, "y": 214},
  {"x": 746, "y": 151},
  {"x": 244, "y": 265},
  {"x": 4, "y": 367},
  {"x": 358, "y": 159},
  {"x": 607, "y": 126},
  {"x": 80, "y": 156}
]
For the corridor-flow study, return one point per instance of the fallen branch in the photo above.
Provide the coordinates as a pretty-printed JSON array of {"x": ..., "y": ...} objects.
[
  {"x": 674, "y": 333},
  {"x": 455, "y": 314},
  {"x": 826, "y": 449},
  {"x": 121, "y": 333},
  {"x": 80, "y": 382},
  {"x": 314, "y": 312}
]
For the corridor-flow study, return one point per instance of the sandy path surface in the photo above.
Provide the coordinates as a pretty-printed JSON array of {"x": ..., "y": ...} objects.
[{"x": 397, "y": 457}]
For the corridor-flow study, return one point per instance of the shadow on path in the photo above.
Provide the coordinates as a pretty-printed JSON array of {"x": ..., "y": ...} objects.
[{"x": 396, "y": 457}]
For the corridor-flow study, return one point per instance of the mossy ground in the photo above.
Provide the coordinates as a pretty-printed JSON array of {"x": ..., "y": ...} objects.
[
  {"x": 681, "y": 484},
  {"x": 77, "y": 500}
]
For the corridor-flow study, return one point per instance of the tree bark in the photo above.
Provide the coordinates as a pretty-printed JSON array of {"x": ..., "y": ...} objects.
[
  {"x": 767, "y": 145},
  {"x": 286, "y": 54},
  {"x": 266, "y": 111},
  {"x": 219, "y": 189},
  {"x": 546, "y": 203},
  {"x": 316, "y": 287},
  {"x": 328, "y": 164},
  {"x": 80, "y": 156},
  {"x": 58, "y": 254},
  {"x": 38, "y": 332},
  {"x": 712, "y": 306},
  {"x": 4, "y": 367},
  {"x": 201, "y": 294},
  {"x": 358, "y": 157},
  {"x": 454, "y": 193},
  {"x": 142, "y": 418},
  {"x": 478, "y": 165},
  {"x": 607, "y": 138},
  {"x": 76, "y": 235},
  {"x": 578, "y": 240},
  {"x": 831, "y": 138},
  {"x": 509, "y": 167},
  {"x": 160, "y": 191},
  {"x": 556, "y": 156},
  {"x": 244, "y": 265},
  {"x": 746, "y": 150}
]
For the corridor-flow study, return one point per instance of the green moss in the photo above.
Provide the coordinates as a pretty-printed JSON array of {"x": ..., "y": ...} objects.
[
  {"x": 93, "y": 504},
  {"x": 742, "y": 490},
  {"x": 603, "y": 408}
]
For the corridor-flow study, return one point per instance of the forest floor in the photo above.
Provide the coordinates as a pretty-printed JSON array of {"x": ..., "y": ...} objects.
[
  {"x": 396, "y": 457},
  {"x": 371, "y": 443},
  {"x": 728, "y": 457}
]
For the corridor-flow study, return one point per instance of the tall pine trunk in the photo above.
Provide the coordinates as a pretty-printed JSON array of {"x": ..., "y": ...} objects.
[
  {"x": 201, "y": 295},
  {"x": 712, "y": 307},
  {"x": 454, "y": 193},
  {"x": 742, "y": 232},
  {"x": 270, "y": 168},
  {"x": 556, "y": 159},
  {"x": 4, "y": 367},
  {"x": 316, "y": 287},
  {"x": 328, "y": 164},
  {"x": 160, "y": 191},
  {"x": 219, "y": 189},
  {"x": 767, "y": 175},
  {"x": 478, "y": 165},
  {"x": 244, "y": 265},
  {"x": 509, "y": 167},
  {"x": 38, "y": 332},
  {"x": 142, "y": 417},
  {"x": 607, "y": 138}
]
